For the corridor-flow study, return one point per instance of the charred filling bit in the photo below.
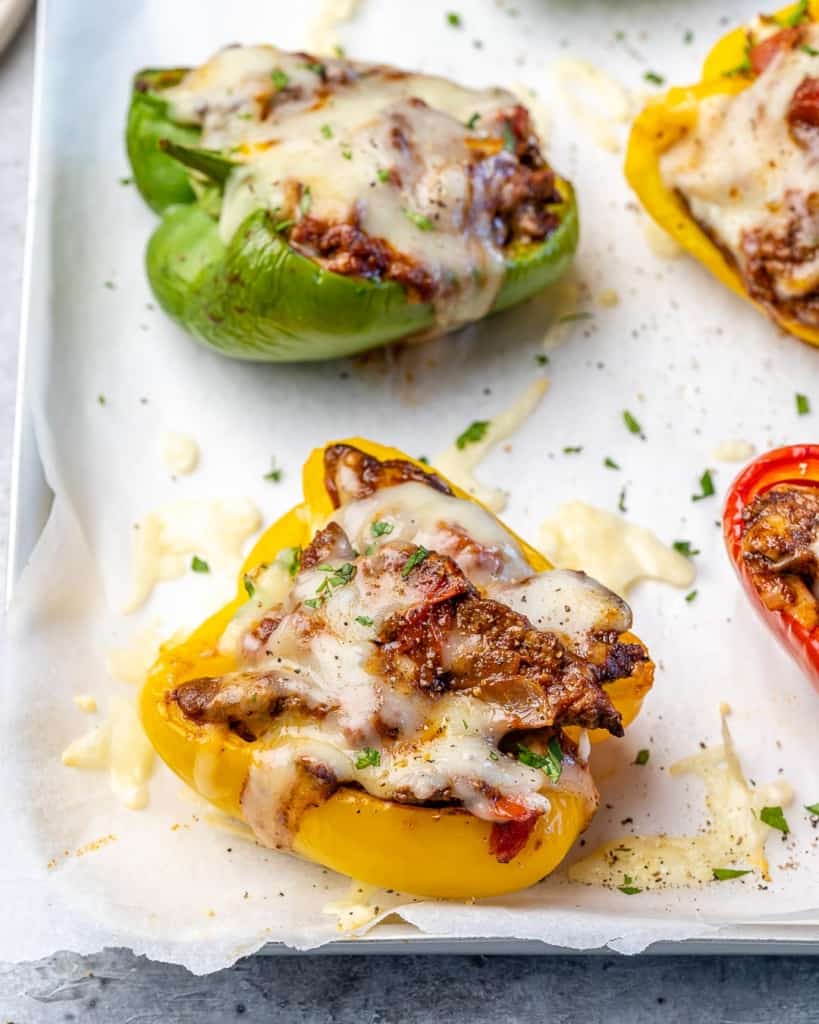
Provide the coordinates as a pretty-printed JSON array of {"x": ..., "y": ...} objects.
[
  {"x": 779, "y": 550},
  {"x": 350, "y": 474}
]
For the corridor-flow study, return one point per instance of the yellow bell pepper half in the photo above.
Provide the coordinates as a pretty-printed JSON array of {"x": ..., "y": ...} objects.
[
  {"x": 438, "y": 852},
  {"x": 661, "y": 123}
]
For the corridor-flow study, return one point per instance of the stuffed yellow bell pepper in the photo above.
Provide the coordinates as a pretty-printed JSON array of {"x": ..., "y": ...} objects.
[
  {"x": 728, "y": 166},
  {"x": 402, "y": 690}
]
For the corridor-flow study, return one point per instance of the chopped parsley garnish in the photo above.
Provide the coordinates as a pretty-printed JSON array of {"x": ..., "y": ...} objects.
[
  {"x": 470, "y": 124},
  {"x": 476, "y": 431},
  {"x": 802, "y": 405},
  {"x": 621, "y": 501},
  {"x": 628, "y": 887},
  {"x": 723, "y": 874},
  {"x": 797, "y": 16},
  {"x": 418, "y": 556},
  {"x": 283, "y": 225},
  {"x": 510, "y": 143},
  {"x": 369, "y": 550},
  {"x": 691, "y": 596},
  {"x": 573, "y": 449},
  {"x": 654, "y": 78},
  {"x": 199, "y": 564},
  {"x": 809, "y": 50},
  {"x": 275, "y": 475},
  {"x": 326, "y": 131},
  {"x": 101, "y": 399},
  {"x": 424, "y": 459},
  {"x": 743, "y": 68},
  {"x": 812, "y": 808},
  {"x": 422, "y": 222},
  {"x": 339, "y": 50},
  {"x": 280, "y": 79},
  {"x": 494, "y": 755},
  {"x": 632, "y": 423},
  {"x": 368, "y": 758},
  {"x": 317, "y": 68},
  {"x": 453, "y": 19},
  {"x": 688, "y": 37},
  {"x": 570, "y": 318},
  {"x": 706, "y": 487},
  {"x": 684, "y": 548},
  {"x": 126, "y": 181},
  {"x": 383, "y": 174},
  {"x": 346, "y": 152},
  {"x": 306, "y": 201},
  {"x": 336, "y": 577},
  {"x": 541, "y": 359},
  {"x": 363, "y": 620},
  {"x": 381, "y": 528},
  {"x": 642, "y": 756},
  {"x": 551, "y": 762},
  {"x": 290, "y": 559},
  {"x": 313, "y": 602},
  {"x": 609, "y": 463},
  {"x": 774, "y": 818},
  {"x": 250, "y": 586}
]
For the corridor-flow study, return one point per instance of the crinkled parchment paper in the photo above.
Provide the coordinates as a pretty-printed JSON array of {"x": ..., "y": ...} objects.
[{"x": 692, "y": 363}]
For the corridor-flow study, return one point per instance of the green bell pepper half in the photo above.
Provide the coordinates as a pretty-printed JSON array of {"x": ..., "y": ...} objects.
[{"x": 256, "y": 298}]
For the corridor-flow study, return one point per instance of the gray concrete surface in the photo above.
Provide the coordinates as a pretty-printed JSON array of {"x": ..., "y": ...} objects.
[{"x": 119, "y": 988}]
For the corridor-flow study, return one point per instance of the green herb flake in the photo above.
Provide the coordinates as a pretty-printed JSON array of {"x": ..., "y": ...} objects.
[
  {"x": 691, "y": 596},
  {"x": 280, "y": 79},
  {"x": 688, "y": 38},
  {"x": 369, "y": 550},
  {"x": 621, "y": 501},
  {"x": 642, "y": 757},
  {"x": 313, "y": 602},
  {"x": 199, "y": 564},
  {"x": 541, "y": 359},
  {"x": 654, "y": 78},
  {"x": 743, "y": 68},
  {"x": 575, "y": 449},
  {"x": 306, "y": 201},
  {"x": 510, "y": 142},
  {"x": 275, "y": 475},
  {"x": 572, "y": 318},
  {"x": 802, "y": 405},
  {"x": 494, "y": 755},
  {"x": 327, "y": 131},
  {"x": 453, "y": 19},
  {"x": 797, "y": 15},
  {"x": 336, "y": 577},
  {"x": 809, "y": 50},
  {"x": 101, "y": 399},
  {"x": 422, "y": 222},
  {"x": 424, "y": 459},
  {"x": 381, "y": 528},
  {"x": 347, "y": 153},
  {"x": 383, "y": 174},
  {"x": 290, "y": 559},
  {"x": 476, "y": 431},
  {"x": 706, "y": 487},
  {"x": 339, "y": 51},
  {"x": 609, "y": 463},
  {"x": 250, "y": 586},
  {"x": 414, "y": 559},
  {"x": 368, "y": 758},
  {"x": 126, "y": 181},
  {"x": 628, "y": 888},
  {"x": 812, "y": 809},
  {"x": 472, "y": 122},
  {"x": 684, "y": 548},
  {"x": 632, "y": 423},
  {"x": 317, "y": 68},
  {"x": 774, "y": 818},
  {"x": 363, "y": 620},
  {"x": 724, "y": 874},
  {"x": 551, "y": 762}
]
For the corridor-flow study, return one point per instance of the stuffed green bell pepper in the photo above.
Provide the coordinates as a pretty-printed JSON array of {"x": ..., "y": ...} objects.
[{"x": 313, "y": 209}]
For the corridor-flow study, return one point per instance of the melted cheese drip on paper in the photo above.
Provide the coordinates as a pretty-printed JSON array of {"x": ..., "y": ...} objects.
[
  {"x": 323, "y": 36},
  {"x": 734, "y": 451},
  {"x": 458, "y": 464},
  {"x": 165, "y": 540},
  {"x": 738, "y": 165},
  {"x": 180, "y": 453},
  {"x": 356, "y": 910},
  {"x": 616, "y": 552},
  {"x": 597, "y": 101},
  {"x": 121, "y": 747},
  {"x": 337, "y": 144},
  {"x": 734, "y": 837}
]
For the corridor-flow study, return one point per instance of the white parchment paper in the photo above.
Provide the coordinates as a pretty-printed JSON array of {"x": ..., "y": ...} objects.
[{"x": 691, "y": 362}]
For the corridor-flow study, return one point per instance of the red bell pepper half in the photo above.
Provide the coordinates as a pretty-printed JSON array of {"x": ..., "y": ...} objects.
[{"x": 796, "y": 464}]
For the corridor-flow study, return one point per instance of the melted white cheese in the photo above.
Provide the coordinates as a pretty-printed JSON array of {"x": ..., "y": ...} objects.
[
  {"x": 85, "y": 702},
  {"x": 338, "y": 143},
  {"x": 323, "y": 38},
  {"x": 734, "y": 451},
  {"x": 457, "y": 464},
  {"x": 612, "y": 550},
  {"x": 738, "y": 165},
  {"x": 121, "y": 747},
  {"x": 180, "y": 453},
  {"x": 734, "y": 836},
  {"x": 165, "y": 541},
  {"x": 597, "y": 101}
]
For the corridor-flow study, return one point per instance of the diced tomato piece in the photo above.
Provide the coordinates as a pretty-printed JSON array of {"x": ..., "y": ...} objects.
[
  {"x": 508, "y": 838},
  {"x": 764, "y": 53},
  {"x": 804, "y": 105}
]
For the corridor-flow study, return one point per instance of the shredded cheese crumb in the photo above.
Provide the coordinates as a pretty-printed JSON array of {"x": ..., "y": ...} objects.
[
  {"x": 85, "y": 703},
  {"x": 608, "y": 297},
  {"x": 180, "y": 453},
  {"x": 734, "y": 451}
]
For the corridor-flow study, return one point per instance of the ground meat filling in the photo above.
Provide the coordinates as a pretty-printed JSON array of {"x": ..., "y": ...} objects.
[{"x": 779, "y": 549}]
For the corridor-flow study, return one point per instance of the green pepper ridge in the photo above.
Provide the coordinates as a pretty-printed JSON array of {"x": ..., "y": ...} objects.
[{"x": 257, "y": 298}]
